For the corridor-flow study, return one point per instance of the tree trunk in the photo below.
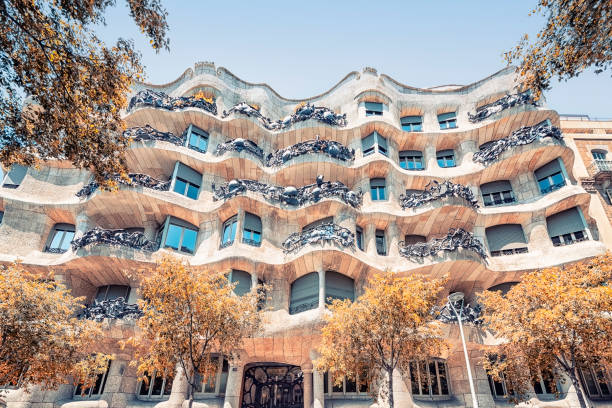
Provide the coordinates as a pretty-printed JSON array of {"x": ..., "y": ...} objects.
[
  {"x": 578, "y": 386},
  {"x": 390, "y": 382}
]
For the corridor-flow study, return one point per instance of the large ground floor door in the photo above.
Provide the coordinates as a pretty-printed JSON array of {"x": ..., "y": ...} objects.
[{"x": 271, "y": 385}]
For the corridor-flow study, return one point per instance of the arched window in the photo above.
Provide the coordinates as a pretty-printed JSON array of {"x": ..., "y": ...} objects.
[
  {"x": 429, "y": 378},
  {"x": 60, "y": 238},
  {"x": 304, "y": 293},
  {"x": 506, "y": 239},
  {"x": 338, "y": 286},
  {"x": 242, "y": 280},
  {"x": 567, "y": 227},
  {"x": 251, "y": 233}
]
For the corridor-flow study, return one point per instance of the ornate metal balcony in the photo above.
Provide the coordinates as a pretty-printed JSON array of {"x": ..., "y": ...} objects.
[
  {"x": 290, "y": 195},
  {"x": 119, "y": 237},
  {"x": 522, "y": 136},
  {"x": 328, "y": 147},
  {"x": 469, "y": 314},
  {"x": 302, "y": 113},
  {"x": 137, "y": 179},
  {"x": 437, "y": 191},
  {"x": 455, "y": 239},
  {"x": 322, "y": 233},
  {"x": 499, "y": 105},
  {"x": 111, "y": 309},
  {"x": 239, "y": 145},
  {"x": 144, "y": 133},
  {"x": 159, "y": 99},
  {"x": 600, "y": 170}
]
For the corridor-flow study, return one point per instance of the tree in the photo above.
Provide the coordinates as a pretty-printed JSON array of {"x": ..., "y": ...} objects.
[
  {"x": 74, "y": 84},
  {"x": 577, "y": 35},
  {"x": 554, "y": 321},
  {"x": 189, "y": 319},
  {"x": 41, "y": 342},
  {"x": 388, "y": 326}
]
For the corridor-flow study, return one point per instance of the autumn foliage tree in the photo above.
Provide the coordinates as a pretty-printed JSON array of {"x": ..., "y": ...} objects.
[
  {"x": 577, "y": 35},
  {"x": 190, "y": 318},
  {"x": 41, "y": 340},
  {"x": 61, "y": 87},
  {"x": 388, "y": 326},
  {"x": 554, "y": 322}
]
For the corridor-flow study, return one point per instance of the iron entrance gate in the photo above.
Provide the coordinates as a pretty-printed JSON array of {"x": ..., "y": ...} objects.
[{"x": 272, "y": 385}]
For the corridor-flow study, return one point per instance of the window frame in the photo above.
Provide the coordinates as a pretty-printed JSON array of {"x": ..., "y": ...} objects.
[
  {"x": 152, "y": 379},
  {"x": 446, "y": 121},
  {"x": 552, "y": 186},
  {"x": 64, "y": 228},
  {"x": 373, "y": 112},
  {"x": 359, "y": 238},
  {"x": 594, "y": 374},
  {"x": 89, "y": 395},
  {"x": 183, "y": 225},
  {"x": 598, "y": 152},
  {"x": 202, "y": 393},
  {"x": 201, "y": 134},
  {"x": 328, "y": 384},
  {"x": 381, "y": 234},
  {"x": 411, "y": 122},
  {"x": 375, "y": 190},
  {"x": 409, "y": 156},
  {"x": 443, "y": 155},
  {"x": 231, "y": 221},
  {"x": 429, "y": 396},
  {"x": 251, "y": 232},
  {"x": 569, "y": 238},
  {"x": 376, "y": 145}
]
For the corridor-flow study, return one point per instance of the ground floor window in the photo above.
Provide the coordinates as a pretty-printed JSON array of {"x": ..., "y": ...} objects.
[
  {"x": 348, "y": 386},
  {"x": 429, "y": 378},
  {"x": 96, "y": 390},
  {"x": 215, "y": 384},
  {"x": 595, "y": 382},
  {"x": 155, "y": 386}
]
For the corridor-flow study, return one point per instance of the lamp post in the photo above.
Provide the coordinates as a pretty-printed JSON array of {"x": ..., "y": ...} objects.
[{"x": 457, "y": 299}]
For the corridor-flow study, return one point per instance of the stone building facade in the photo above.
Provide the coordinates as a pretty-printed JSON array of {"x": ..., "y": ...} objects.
[{"x": 312, "y": 197}]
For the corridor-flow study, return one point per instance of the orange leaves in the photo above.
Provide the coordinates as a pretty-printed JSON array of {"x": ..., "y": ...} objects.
[{"x": 42, "y": 342}]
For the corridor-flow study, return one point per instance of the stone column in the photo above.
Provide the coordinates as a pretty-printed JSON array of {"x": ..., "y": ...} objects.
[
  {"x": 318, "y": 388},
  {"x": 234, "y": 385},
  {"x": 321, "y": 289},
  {"x": 369, "y": 239},
  {"x": 429, "y": 157},
  {"x": 82, "y": 225},
  {"x": 537, "y": 234},
  {"x": 393, "y": 239},
  {"x": 465, "y": 151},
  {"x": 239, "y": 226},
  {"x": 307, "y": 387}
]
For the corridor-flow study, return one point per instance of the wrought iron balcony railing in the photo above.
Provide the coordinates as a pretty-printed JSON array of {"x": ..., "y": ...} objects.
[
  {"x": 321, "y": 233},
  {"x": 311, "y": 193},
  {"x": 328, "y": 147},
  {"x": 136, "y": 179},
  {"x": 117, "y": 308},
  {"x": 435, "y": 190},
  {"x": 454, "y": 240},
  {"x": 469, "y": 314},
  {"x": 118, "y": 237},
  {"x": 238, "y": 145},
  {"x": 159, "y": 99},
  {"x": 600, "y": 168},
  {"x": 499, "y": 105},
  {"x": 522, "y": 136}
]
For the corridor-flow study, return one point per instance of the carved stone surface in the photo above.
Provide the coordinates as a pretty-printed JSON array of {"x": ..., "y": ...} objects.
[
  {"x": 137, "y": 179},
  {"x": 322, "y": 233},
  {"x": 306, "y": 112},
  {"x": 469, "y": 314},
  {"x": 522, "y": 136},
  {"x": 159, "y": 99},
  {"x": 239, "y": 145},
  {"x": 499, "y": 105},
  {"x": 311, "y": 193},
  {"x": 329, "y": 147},
  {"x": 437, "y": 191},
  {"x": 144, "y": 133},
  {"x": 116, "y": 308},
  {"x": 455, "y": 239},
  {"x": 120, "y": 237}
]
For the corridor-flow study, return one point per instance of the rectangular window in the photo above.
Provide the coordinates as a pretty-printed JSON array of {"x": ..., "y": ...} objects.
[
  {"x": 411, "y": 160},
  {"x": 251, "y": 233},
  {"x": 96, "y": 390},
  {"x": 217, "y": 382},
  {"x": 498, "y": 388},
  {"x": 181, "y": 238},
  {"x": 359, "y": 237},
  {"x": 187, "y": 181},
  {"x": 374, "y": 109},
  {"x": 229, "y": 231},
  {"x": 62, "y": 237},
  {"x": 155, "y": 387},
  {"x": 377, "y": 189},
  {"x": 551, "y": 183},
  {"x": 429, "y": 378},
  {"x": 381, "y": 245},
  {"x": 412, "y": 123},
  {"x": 498, "y": 198},
  {"x": 596, "y": 383},
  {"x": 197, "y": 139},
  {"x": 372, "y": 142},
  {"x": 446, "y": 158},
  {"x": 447, "y": 120}
]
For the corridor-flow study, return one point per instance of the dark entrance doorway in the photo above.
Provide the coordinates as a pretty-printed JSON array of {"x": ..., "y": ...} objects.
[{"x": 270, "y": 385}]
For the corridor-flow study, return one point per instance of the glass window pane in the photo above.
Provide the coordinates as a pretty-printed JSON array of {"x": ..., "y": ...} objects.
[
  {"x": 168, "y": 386},
  {"x": 544, "y": 184},
  {"x": 157, "y": 386},
  {"x": 189, "y": 240},
  {"x": 256, "y": 237},
  {"x": 404, "y": 164},
  {"x": 223, "y": 377},
  {"x": 174, "y": 236},
  {"x": 144, "y": 388},
  {"x": 351, "y": 385},
  {"x": 603, "y": 382},
  {"x": 414, "y": 379},
  {"x": 434, "y": 380},
  {"x": 590, "y": 382},
  {"x": 203, "y": 144},
  {"x": 179, "y": 186},
  {"x": 57, "y": 239},
  {"x": 443, "y": 379},
  {"x": 374, "y": 193},
  {"x": 337, "y": 388},
  {"x": 68, "y": 236},
  {"x": 424, "y": 372},
  {"x": 192, "y": 191},
  {"x": 558, "y": 179},
  {"x": 381, "y": 193}
]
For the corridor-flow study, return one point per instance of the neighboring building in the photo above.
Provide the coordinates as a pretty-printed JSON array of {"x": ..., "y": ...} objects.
[{"x": 312, "y": 202}]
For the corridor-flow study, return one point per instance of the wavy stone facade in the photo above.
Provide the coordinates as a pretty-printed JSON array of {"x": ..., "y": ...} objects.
[{"x": 311, "y": 197}]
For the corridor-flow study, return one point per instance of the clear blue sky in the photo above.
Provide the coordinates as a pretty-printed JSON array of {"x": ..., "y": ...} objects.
[{"x": 302, "y": 48}]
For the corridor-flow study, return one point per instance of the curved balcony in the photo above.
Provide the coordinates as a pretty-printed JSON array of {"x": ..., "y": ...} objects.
[
  {"x": 134, "y": 180},
  {"x": 158, "y": 99},
  {"x": 508, "y": 101},
  {"x": 115, "y": 237},
  {"x": 434, "y": 191},
  {"x": 117, "y": 308},
  {"x": 455, "y": 239},
  {"x": 325, "y": 233}
]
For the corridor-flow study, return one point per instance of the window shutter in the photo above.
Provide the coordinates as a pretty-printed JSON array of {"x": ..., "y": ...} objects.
[
  {"x": 377, "y": 182},
  {"x": 368, "y": 141},
  {"x": 243, "y": 280},
  {"x": 305, "y": 291},
  {"x": 447, "y": 152},
  {"x": 506, "y": 236},
  {"x": 412, "y": 153},
  {"x": 189, "y": 174},
  {"x": 374, "y": 106},
  {"x": 495, "y": 187},
  {"x": 15, "y": 175},
  {"x": 446, "y": 116},
  {"x": 409, "y": 120},
  {"x": 382, "y": 142},
  {"x": 338, "y": 286},
  {"x": 548, "y": 169},
  {"x": 252, "y": 222},
  {"x": 565, "y": 222}
]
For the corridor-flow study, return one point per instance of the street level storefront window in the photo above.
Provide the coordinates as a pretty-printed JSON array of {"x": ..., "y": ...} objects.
[
  {"x": 96, "y": 390},
  {"x": 155, "y": 386},
  {"x": 228, "y": 233},
  {"x": 596, "y": 382},
  {"x": 304, "y": 293},
  {"x": 60, "y": 238},
  {"x": 216, "y": 384},
  {"x": 429, "y": 378}
]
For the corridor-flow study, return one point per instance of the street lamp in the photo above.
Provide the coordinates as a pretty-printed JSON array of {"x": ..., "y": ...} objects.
[{"x": 456, "y": 299}]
